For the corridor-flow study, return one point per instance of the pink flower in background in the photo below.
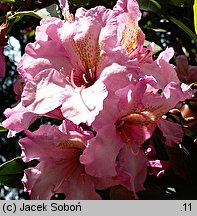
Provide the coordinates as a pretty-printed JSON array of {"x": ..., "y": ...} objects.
[
  {"x": 186, "y": 73},
  {"x": 74, "y": 74},
  {"x": 4, "y": 6},
  {"x": 3, "y": 42},
  {"x": 59, "y": 169},
  {"x": 18, "y": 87}
]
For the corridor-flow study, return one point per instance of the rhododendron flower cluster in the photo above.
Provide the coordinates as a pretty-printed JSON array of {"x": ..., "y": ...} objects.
[{"x": 92, "y": 72}]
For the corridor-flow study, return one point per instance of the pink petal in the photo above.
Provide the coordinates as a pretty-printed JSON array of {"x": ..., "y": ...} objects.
[
  {"x": 134, "y": 167},
  {"x": 129, "y": 6},
  {"x": 161, "y": 70},
  {"x": 38, "y": 57},
  {"x": 44, "y": 24},
  {"x": 103, "y": 25},
  {"x": 99, "y": 157},
  {"x": 18, "y": 119},
  {"x": 65, "y": 10},
  {"x": 130, "y": 36},
  {"x": 85, "y": 105},
  {"x": 44, "y": 93},
  {"x": 171, "y": 131}
]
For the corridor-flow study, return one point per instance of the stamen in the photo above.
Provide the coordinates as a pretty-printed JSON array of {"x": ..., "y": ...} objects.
[
  {"x": 144, "y": 56},
  {"x": 92, "y": 74},
  {"x": 89, "y": 109},
  {"x": 84, "y": 78},
  {"x": 72, "y": 79},
  {"x": 119, "y": 123},
  {"x": 68, "y": 79}
]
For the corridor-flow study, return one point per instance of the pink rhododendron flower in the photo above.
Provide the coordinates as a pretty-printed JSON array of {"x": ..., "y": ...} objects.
[
  {"x": 130, "y": 36},
  {"x": 186, "y": 73},
  {"x": 107, "y": 156},
  {"x": 59, "y": 170},
  {"x": 137, "y": 110},
  {"x": 74, "y": 75}
]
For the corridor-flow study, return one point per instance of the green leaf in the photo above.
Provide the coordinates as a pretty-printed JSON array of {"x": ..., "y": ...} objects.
[
  {"x": 8, "y": 1},
  {"x": 11, "y": 173},
  {"x": 19, "y": 15},
  {"x": 13, "y": 181},
  {"x": 195, "y": 15},
  {"x": 2, "y": 129},
  {"x": 18, "y": 2},
  {"x": 50, "y": 11},
  {"x": 155, "y": 7},
  {"x": 180, "y": 3},
  {"x": 2, "y": 18},
  {"x": 149, "y": 5},
  {"x": 184, "y": 28},
  {"x": 14, "y": 166}
]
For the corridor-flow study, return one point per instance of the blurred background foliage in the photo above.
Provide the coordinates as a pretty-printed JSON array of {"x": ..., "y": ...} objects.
[{"x": 166, "y": 23}]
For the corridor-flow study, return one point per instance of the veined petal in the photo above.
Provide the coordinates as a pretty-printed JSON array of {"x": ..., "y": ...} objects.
[
  {"x": 59, "y": 169},
  {"x": 38, "y": 57},
  {"x": 44, "y": 92},
  {"x": 161, "y": 69},
  {"x": 99, "y": 157},
  {"x": 134, "y": 167},
  {"x": 83, "y": 105},
  {"x": 18, "y": 119},
  {"x": 130, "y": 36}
]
